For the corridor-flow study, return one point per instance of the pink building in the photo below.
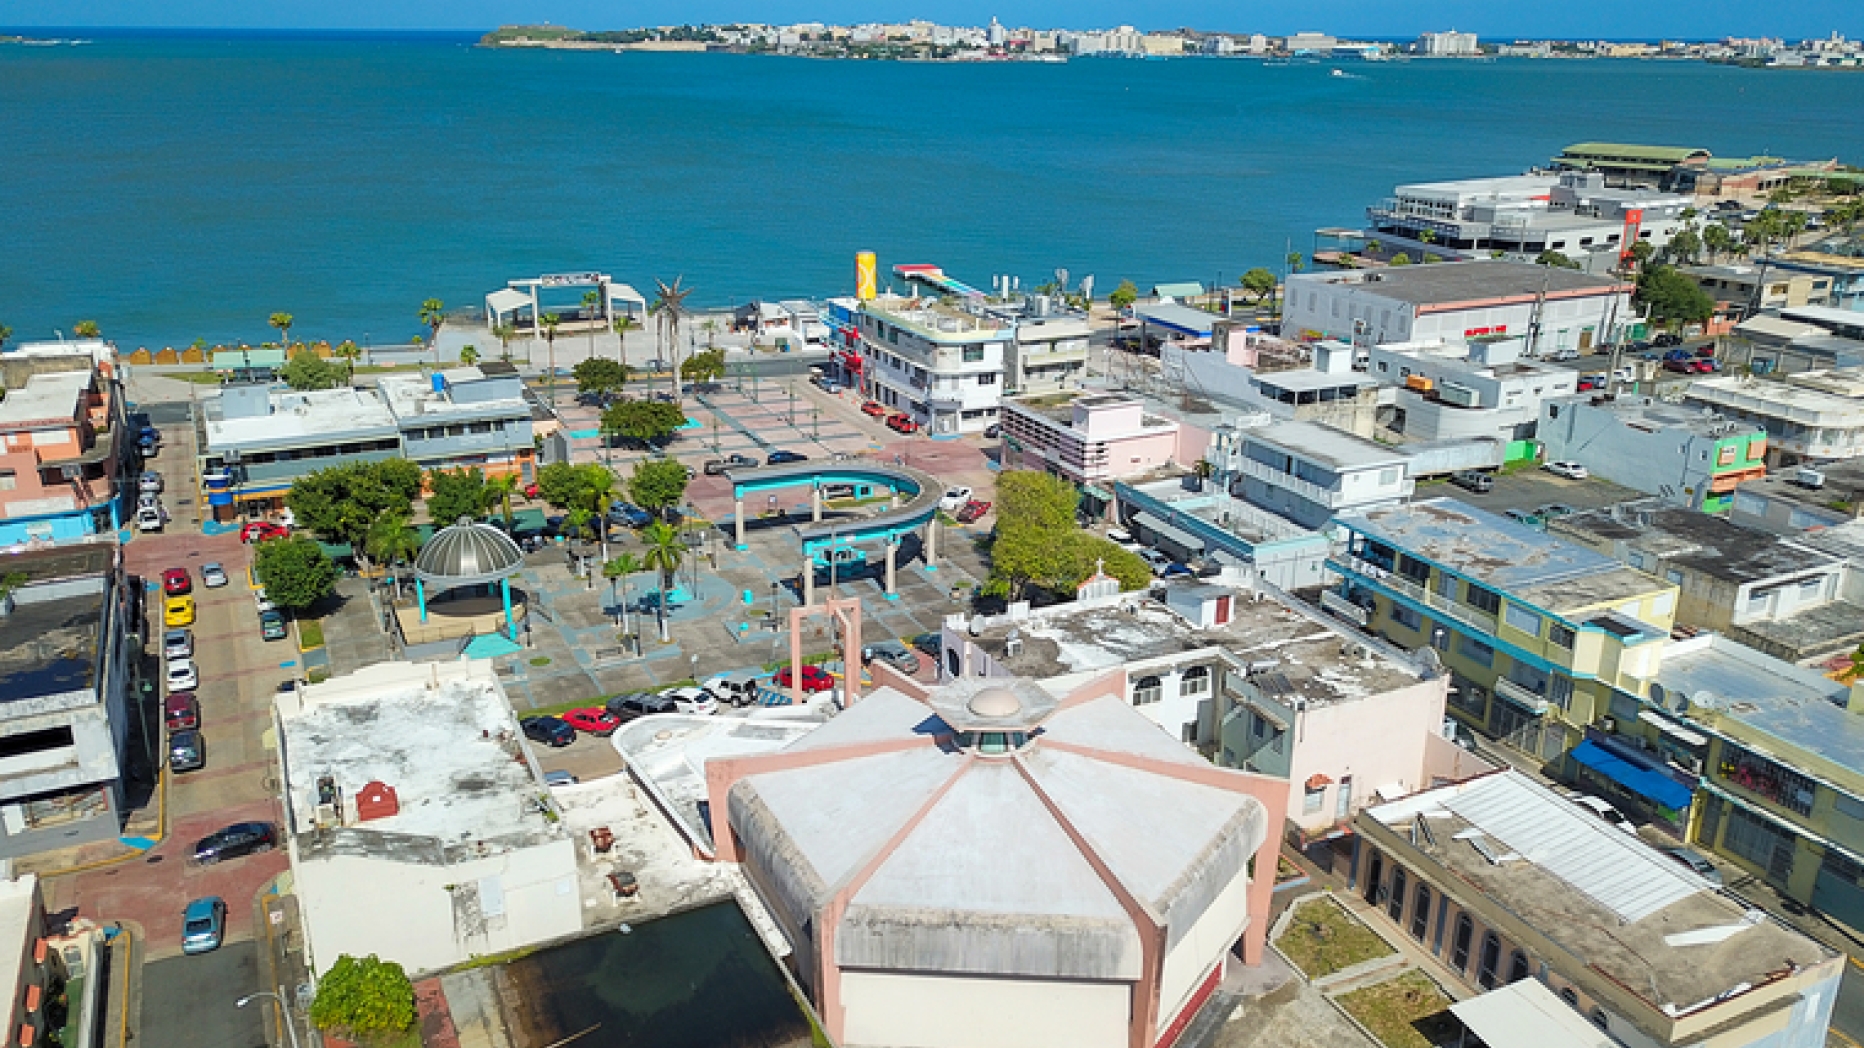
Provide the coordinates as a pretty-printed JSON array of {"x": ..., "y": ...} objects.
[
  {"x": 57, "y": 455},
  {"x": 1091, "y": 438}
]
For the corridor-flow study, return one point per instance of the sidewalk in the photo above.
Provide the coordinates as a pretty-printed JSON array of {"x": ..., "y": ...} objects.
[
  {"x": 146, "y": 828},
  {"x": 119, "y": 1001},
  {"x": 282, "y": 969}
]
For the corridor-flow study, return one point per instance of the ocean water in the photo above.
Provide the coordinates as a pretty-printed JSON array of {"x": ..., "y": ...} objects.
[{"x": 182, "y": 186}]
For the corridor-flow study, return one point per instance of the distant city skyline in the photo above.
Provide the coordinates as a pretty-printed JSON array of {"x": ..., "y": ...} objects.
[{"x": 1588, "y": 19}]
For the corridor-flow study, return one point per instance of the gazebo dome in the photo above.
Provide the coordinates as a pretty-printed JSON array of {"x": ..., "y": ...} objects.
[
  {"x": 468, "y": 553},
  {"x": 995, "y": 702}
]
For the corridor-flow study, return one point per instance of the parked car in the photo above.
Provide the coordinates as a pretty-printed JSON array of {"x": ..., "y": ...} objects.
[
  {"x": 559, "y": 778},
  {"x": 175, "y": 581},
  {"x": 149, "y": 481},
  {"x": 1587, "y": 384},
  {"x": 826, "y": 384},
  {"x": 1680, "y": 366},
  {"x": 178, "y": 611},
  {"x": 1473, "y": 480},
  {"x": 202, "y": 923},
  {"x": 213, "y": 576},
  {"x": 593, "y": 720},
  {"x": 901, "y": 422},
  {"x": 150, "y": 519},
  {"x": 551, "y": 731},
  {"x": 814, "y": 678},
  {"x": 640, "y": 704},
  {"x": 781, "y": 458},
  {"x": 1553, "y": 510},
  {"x": 262, "y": 530},
  {"x": 894, "y": 654},
  {"x": 1563, "y": 354},
  {"x": 717, "y": 467},
  {"x": 954, "y": 499},
  {"x": 1123, "y": 539},
  {"x": 148, "y": 500},
  {"x": 187, "y": 750},
  {"x": 1605, "y": 811},
  {"x": 873, "y": 409},
  {"x": 177, "y": 644},
  {"x": 181, "y": 675},
  {"x": 973, "y": 511},
  {"x": 181, "y": 711},
  {"x": 1155, "y": 560},
  {"x": 1564, "y": 468},
  {"x": 272, "y": 625},
  {"x": 734, "y": 689},
  {"x": 993, "y": 431},
  {"x": 930, "y": 643},
  {"x": 1696, "y": 862},
  {"x": 691, "y": 699},
  {"x": 236, "y": 841},
  {"x": 629, "y": 515},
  {"x": 263, "y": 602},
  {"x": 1667, "y": 338},
  {"x": 1521, "y": 516}
]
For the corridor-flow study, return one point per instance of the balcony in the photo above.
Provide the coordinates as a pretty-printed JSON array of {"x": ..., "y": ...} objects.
[
  {"x": 1314, "y": 492},
  {"x": 1521, "y": 696},
  {"x": 1474, "y": 618}
]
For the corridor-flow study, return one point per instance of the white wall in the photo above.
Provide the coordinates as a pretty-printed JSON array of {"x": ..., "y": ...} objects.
[
  {"x": 403, "y": 912},
  {"x": 899, "y": 1010},
  {"x": 1203, "y": 947}
]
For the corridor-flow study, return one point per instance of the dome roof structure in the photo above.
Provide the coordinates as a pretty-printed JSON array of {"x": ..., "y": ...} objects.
[
  {"x": 468, "y": 553},
  {"x": 995, "y": 702}
]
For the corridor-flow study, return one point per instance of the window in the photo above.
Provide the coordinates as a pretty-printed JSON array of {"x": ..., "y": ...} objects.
[
  {"x": 1553, "y": 411},
  {"x": 1673, "y": 576},
  {"x": 989, "y": 378},
  {"x": 1258, "y": 727},
  {"x": 1405, "y": 617},
  {"x": 1388, "y": 477},
  {"x": 1417, "y": 571},
  {"x": 1524, "y": 620},
  {"x": 1488, "y": 960},
  {"x": 1459, "y": 944},
  {"x": 1147, "y": 691},
  {"x": 9, "y": 480},
  {"x": 974, "y": 354},
  {"x": 1474, "y": 650},
  {"x": 1311, "y": 800},
  {"x": 1567, "y": 995},
  {"x": 1343, "y": 800},
  {"x": 1562, "y": 635},
  {"x": 1420, "y": 913},
  {"x": 1196, "y": 681},
  {"x": 1482, "y": 597},
  {"x": 1383, "y": 366},
  {"x": 1517, "y": 967},
  {"x": 1599, "y": 1018},
  {"x": 1395, "y": 907}
]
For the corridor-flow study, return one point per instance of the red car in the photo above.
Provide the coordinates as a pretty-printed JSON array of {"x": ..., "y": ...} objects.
[
  {"x": 973, "y": 511},
  {"x": 901, "y": 422},
  {"x": 530, "y": 491},
  {"x": 872, "y": 409},
  {"x": 592, "y": 720},
  {"x": 814, "y": 678},
  {"x": 262, "y": 530},
  {"x": 175, "y": 582}
]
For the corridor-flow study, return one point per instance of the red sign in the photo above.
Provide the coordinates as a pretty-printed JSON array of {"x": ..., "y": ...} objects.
[{"x": 1633, "y": 219}]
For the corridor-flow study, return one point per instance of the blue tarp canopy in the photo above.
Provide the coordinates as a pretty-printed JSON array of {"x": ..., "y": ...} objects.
[{"x": 1653, "y": 785}]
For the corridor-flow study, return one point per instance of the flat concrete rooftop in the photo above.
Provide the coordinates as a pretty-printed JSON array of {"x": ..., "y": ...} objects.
[
  {"x": 1714, "y": 546},
  {"x": 296, "y": 417},
  {"x": 1801, "y": 708},
  {"x": 1445, "y": 283},
  {"x": 1334, "y": 448},
  {"x": 45, "y": 398},
  {"x": 48, "y": 645}
]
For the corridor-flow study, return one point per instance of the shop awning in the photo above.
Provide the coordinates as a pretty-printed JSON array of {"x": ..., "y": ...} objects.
[
  {"x": 1190, "y": 542},
  {"x": 1672, "y": 729},
  {"x": 1525, "y": 1014},
  {"x": 1645, "y": 783},
  {"x": 1318, "y": 782}
]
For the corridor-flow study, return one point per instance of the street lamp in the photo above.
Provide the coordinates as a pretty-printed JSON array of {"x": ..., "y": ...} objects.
[{"x": 284, "y": 1013}]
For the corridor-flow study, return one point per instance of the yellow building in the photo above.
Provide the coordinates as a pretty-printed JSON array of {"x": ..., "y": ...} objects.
[{"x": 1537, "y": 633}]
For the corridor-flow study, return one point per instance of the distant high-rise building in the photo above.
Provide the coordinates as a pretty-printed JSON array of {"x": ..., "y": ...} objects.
[
  {"x": 1450, "y": 43},
  {"x": 995, "y": 34}
]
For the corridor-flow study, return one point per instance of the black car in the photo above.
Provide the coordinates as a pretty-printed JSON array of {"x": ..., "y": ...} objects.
[
  {"x": 930, "y": 643},
  {"x": 187, "y": 750},
  {"x": 241, "y": 838},
  {"x": 640, "y": 704},
  {"x": 778, "y": 458},
  {"x": 551, "y": 731},
  {"x": 993, "y": 431}
]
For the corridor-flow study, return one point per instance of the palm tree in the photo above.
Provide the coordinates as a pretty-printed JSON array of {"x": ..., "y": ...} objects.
[
  {"x": 502, "y": 487},
  {"x": 86, "y": 329},
  {"x": 600, "y": 491},
  {"x": 348, "y": 350},
  {"x": 504, "y": 332},
  {"x": 5, "y": 333},
  {"x": 590, "y": 300},
  {"x": 618, "y": 570},
  {"x": 623, "y": 324},
  {"x": 671, "y": 309},
  {"x": 551, "y": 320},
  {"x": 1715, "y": 237},
  {"x": 433, "y": 314},
  {"x": 665, "y": 553},
  {"x": 391, "y": 539},
  {"x": 282, "y": 321},
  {"x": 469, "y": 356}
]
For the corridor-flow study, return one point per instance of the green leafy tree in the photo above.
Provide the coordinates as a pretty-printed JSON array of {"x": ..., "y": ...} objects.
[
  {"x": 295, "y": 571},
  {"x": 502, "y": 488},
  {"x": 434, "y": 314},
  {"x": 308, "y": 371},
  {"x": 282, "y": 321},
  {"x": 665, "y": 553},
  {"x": 642, "y": 421},
  {"x": 599, "y": 376},
  {"x": 504, "y": 333},
  {"x": 457, "y": 493},
  {"x": 1716, "y": 238},
  {"x": 1431, "y": 258},
  {"x": 657, "y": 484},
  {"x": 5, "y": 333},
  {"x": 1642, "y": 252},
  {"x": 1124, "y": 295},
  {"x": 571, "y": 486},
  {"x": 469, "y": 355},
  {"x": 392, "y": 540},
  {"x": 1082, "y": 552},
  {"x": 1259, "y": 282},
  {"x": 1684, "y": 246},
  {"x": 86, "y": 329},
  {"x": 704, "y": 366},
  {"x": 364, "y": 998},
  {"x": 1021, "y": 554},
  {"x": 1295, "y": 262},
  {"x": 1555, "y": 259},
  {"x": 349, "y": 351},
  {"x": 1673, "y": 298},
  {"x": 340, "y": 503},
  {"x": 1401, "y": 259},
  {"x": 1038, "y": 499}
]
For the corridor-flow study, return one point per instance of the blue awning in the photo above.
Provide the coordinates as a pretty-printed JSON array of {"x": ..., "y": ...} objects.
[{"x": 1653, "y": 785}]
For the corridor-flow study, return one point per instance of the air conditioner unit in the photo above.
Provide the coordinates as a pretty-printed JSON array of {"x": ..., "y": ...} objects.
[{"x": 1608, "y": 725}]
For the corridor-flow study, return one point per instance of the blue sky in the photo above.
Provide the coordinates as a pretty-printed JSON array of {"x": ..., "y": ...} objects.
[{"x": 1693, "y": 19}]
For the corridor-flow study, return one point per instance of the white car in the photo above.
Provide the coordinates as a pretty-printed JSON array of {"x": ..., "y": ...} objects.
[
  {"x": 264, "y": 602},
  {"x": 954, "y": 499},
  {"x": 1123, "y": 540},
  {"x": 1605, "y": 811},
  {"x": 213, "y": 576},
  {"x": 149, "y": 518},
  {"x": 692, "y": 700},
  {"x": 177, "y": 644},
  {"x": 181, "y": 675},
  {"x": 1155, "y": 560},
  {"x": 149, "y": 482},
  {"x": 1569, "y": 470},
  {"x": 148, "y": 500},
  {"x": 1563, "y": 354}
]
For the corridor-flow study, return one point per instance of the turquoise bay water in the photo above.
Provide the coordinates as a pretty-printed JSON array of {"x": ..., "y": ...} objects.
[{"x": 182, "y": 187}]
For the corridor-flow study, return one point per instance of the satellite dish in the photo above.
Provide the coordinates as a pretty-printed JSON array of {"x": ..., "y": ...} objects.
[
  {"x": 1706, "y": 699},
  {"x": 1656, "y": 690}
]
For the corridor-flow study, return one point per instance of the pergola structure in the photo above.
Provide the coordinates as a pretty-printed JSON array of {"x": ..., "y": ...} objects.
[
  {"x": 468, "y": 553},
  {"x": 509, "y": 304}
]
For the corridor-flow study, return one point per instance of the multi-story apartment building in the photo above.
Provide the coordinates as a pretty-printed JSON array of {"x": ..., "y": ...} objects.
[
  {"x": 1751, "y": 289},
  {"x": 1089, "y": 438},
  {"x": 1688, "y": 458},
  {"x": 62, "y": 455},
  {"x": 1461, "y": 390},
  {"x": 1839, "y": 259},
  {"x": 1572, "y": 213},
  {"x": 1543, "y": 913},
  {"x": 254, "y": 441},
  {"x": 32, "y": 973},
  {"x": 1810, "y": 417},
  {"x": 1049, "y": 348},
  {"x": 1538, "y": 633},
  {"x": 1308, "y": 472},
  {"x": 941, "y": 363},
  {"x": 1450, "y": 43},
  {"x": 67, "y": 663},
  {"x": 466, "y": 417}
]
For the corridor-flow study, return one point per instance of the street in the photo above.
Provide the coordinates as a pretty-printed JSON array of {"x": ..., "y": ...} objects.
[{"x": 193, "y": 1000}]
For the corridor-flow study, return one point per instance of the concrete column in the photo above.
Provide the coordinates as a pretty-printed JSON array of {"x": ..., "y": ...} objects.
[
  {"x": 892, "y": 591},
  {"x": 808, "y": 581},
  {"x": 931, "y": 550},
  {"x": 737, "y": 518},
  {"x": 815, "y": 503},
  {"x": 420, "y": 598},
  {"x": 504, "y": 589}
]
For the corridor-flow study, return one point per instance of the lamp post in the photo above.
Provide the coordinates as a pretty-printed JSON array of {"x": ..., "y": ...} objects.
[{"x": 284, "y": 1012}]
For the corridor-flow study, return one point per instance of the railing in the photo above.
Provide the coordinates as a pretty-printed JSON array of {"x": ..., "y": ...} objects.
[
  {"x": 1474, "y": 618},
  {"x": 1520, "y": 695}
]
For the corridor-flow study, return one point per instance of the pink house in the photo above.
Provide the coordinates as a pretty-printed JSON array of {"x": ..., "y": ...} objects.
[
  {"x": 1090, "y": 438},
  {"x": 56, "y": 455}
]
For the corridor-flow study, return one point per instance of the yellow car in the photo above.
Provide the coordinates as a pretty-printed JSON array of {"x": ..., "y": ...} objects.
[{"x": 178, "y": 611}]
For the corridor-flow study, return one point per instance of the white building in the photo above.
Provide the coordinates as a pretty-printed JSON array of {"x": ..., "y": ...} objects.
[
  {"x": 1450, "y": 43},
  {"x": 1462, "y": 390},
  {"x": 938, "y": 362},
  {"x": 1308, "y": 42},
  {"x": 1573, "y": 213},
  {"x": 417, "y": 820},
  {"x": 1307, "y": 471},
  {"x": 1549, "y": 308},
  {"x": 1812, "y": 417},
  {"x": 1049, "y": 347}
]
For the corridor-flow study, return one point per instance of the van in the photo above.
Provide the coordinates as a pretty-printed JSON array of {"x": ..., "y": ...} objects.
[
  {"x": 734, "y": 689},
  {"x": 1809, "y": 478}
]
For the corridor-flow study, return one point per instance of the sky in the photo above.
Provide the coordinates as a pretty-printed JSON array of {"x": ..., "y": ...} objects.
[{"x": 1604, "y": 19}]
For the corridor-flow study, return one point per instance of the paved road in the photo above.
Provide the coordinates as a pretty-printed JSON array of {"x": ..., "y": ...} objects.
[
  {"x": 1848, "y": 1013},
  {"x": 191, "y": 1000}
]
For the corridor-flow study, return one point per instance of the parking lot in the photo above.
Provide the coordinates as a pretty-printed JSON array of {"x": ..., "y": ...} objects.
[{"x": 1529, "y": 489}]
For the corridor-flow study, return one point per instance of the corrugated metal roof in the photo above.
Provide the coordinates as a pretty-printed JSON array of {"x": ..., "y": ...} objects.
[{"x": 1616, "y": 870}]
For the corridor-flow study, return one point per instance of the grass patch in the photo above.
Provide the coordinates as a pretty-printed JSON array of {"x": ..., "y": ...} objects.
[
  {"x": 808, "y": 660},
  {"x": 541, "y": 660},
  {"x": 1518, "y": 466},
  {"x": 1323, "y": 938},
  {"x": 310, "y": 635},
  {"x": 1406, "y": 1012},
  {"x": 317, "y": 676},
  {"x": 199, "y": 378}
]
